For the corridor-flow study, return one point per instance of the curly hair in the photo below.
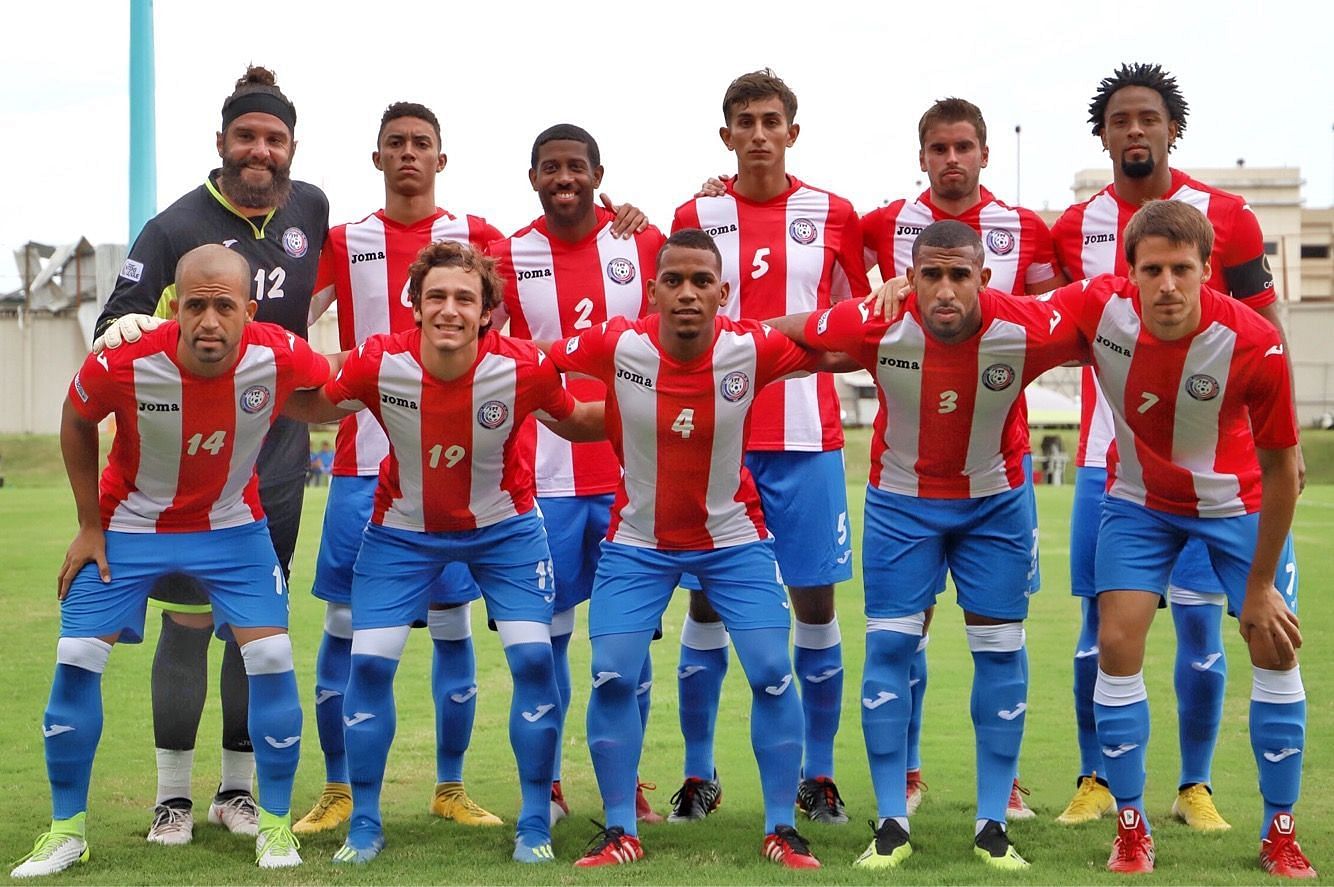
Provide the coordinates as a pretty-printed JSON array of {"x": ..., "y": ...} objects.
[{"x": 1139, "y": 74}]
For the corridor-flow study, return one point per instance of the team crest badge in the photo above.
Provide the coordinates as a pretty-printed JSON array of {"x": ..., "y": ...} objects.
[
  {"x": 734, "y": 386},
  {"x": 493, "y": 414},
  {"x": 621, "y": 271},
  {"x": 295, "y": 242},
  {"x": 255, "y": 398},
  {"x": 1202, "y": 387},
  {"x": 998, "y": 376},
  {"x": 803, "y": 231},
  {"x": 1000, "y": 242}
]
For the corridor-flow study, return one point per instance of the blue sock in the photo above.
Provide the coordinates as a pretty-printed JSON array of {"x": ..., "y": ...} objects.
[
  {"x": 999, "y": 698},
  {"x": 644, "y": 692},
  {"x": 560, "y": 653},
  {"x": 699, "y": 689},
  {"x": 1121, "y": 706},
  {"x": 917, "y": 687},
  {"x": 454, "y": 689},
  {"x": 1201, "y": 679},
  {"x": 1278, "y": 738},
  {"x": 1086, "y": 677},
  {"x": 817, "y": 659},
  {"x": 369, "y": 722},
  {"x": 332, "y": 665},
  {"x": 775, "y": 719},
  {"x": 534, "y": 732},
  {"x": 72, "y": 724},
  {"x": 274, "y": 720},
  {"x": 886, "y": 707},
  {"x": 615, "y": 734}
]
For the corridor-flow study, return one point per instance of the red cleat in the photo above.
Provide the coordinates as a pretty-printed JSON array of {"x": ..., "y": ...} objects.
[
  {"x": 559, "y": 809},
  {"x": 916, "y": 789},
  {"x": 787, "y": 848},
  {"x": 1280, "y": 854},
  {"x": 611, "y": 846},
  {"x": 1132, "y": 851},
  {"x": 643, "y": 810}
]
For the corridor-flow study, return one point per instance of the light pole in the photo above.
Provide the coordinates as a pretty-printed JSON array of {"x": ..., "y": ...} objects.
[{"x": 1018, "y": 142}]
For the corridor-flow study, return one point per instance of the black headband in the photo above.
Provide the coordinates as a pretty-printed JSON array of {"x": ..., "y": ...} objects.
[{"x": 262, "y": 102}]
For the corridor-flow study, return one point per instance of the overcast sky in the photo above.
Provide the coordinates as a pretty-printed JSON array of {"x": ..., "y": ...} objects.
[{"x": 647, "y": 80}]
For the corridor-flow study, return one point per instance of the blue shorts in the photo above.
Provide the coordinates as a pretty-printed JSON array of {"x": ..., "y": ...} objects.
[
  {"x": 236, "y": 567},
  {"x": 346, "y": 514},
  {"x": 576, "y": 526},
  {"x": 1138, "y": 547},
  {"x": 395, "y": 570},
  {"x": 1034, "y": 567},
  {"x": 633, "y": 586},
  {"x": 805, "y": 501},
  {"x": 1194, "y": 571},
  {"x": 986, "y": 544}
]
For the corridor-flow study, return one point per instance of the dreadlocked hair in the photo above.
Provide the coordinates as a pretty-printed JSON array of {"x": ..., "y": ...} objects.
[{"x": 1139, "y": 74}]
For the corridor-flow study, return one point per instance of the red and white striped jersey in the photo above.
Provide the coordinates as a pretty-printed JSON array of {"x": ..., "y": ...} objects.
[
  {"x": 680, "y": 429},
  {"x": 1188, "y": 414},
  {"x": 1017, "y": 243},
  {"x": 1087, "y": 239},
  {"x": 800, "y": 251},
  {"x": 950, "y": 423},
  {"x": 364, "y": 269},
  {"x": 183, "y": 459},
  {"x": 555, "y": 289},
  {"x": 454, "y": 460}
]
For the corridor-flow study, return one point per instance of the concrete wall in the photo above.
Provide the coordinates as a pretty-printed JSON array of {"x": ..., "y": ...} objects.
[{"x": 39, "y": 354}]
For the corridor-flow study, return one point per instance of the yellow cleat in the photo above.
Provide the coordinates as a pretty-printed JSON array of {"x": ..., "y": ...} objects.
[
  {"x": 1195, "y": 807},
  {"x": 332, "y": 810},
  {"x": 1091, "y": 801},
  {"x": 452, "y": 802}
]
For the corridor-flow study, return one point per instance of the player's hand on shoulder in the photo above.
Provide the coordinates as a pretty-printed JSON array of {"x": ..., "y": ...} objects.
[
  {"x": 125, "y": 330},
  {"x": 888, "y": 298},
  {"x": 1269, "y": 628},
  {"x": 629, "y": 221},
  {"x": 714, "y": 186},
  {"x": 89, "y": 546}
]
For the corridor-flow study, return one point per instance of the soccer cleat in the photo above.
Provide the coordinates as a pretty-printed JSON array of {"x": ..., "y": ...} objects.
[
  {"x": 173, "y": 824},
  {"x": 349, "y": 855},
  {"x": 888, "y": 848},
  {"x": 1132, "y": 851},
  {"x": 610, "y": 846},
  {"x": 452, "y": 802},
  {"x": 916, "y": 790},
  {"x": 1016, "y": 808},
  {"x": 1280, "y": 854},
  {"x": 275, "y": 846},
  {"x": 559, "y": 809},
  {"x": 819, "y": 799},
  {"x": 1195, "y": 807},
  {"x": 56, "y": 850},
  {"x": 644, "y": 812},
  {"x": 696, "y": 799},
  {"x": 237, "y": 811},
  {"x": 532, "y": 853},
  {"x": 1092, "y": 799},
  {"x": 332, "y": 810},
  {"x": 787, "y": 848},
  {"x": 992, "y": 845}
]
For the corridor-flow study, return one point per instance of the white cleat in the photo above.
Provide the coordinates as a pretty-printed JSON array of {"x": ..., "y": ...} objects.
[
  {"x": 236, "y": 811},
  {"x": 172, "y": 826},
  {"x": 54, "y": 852},
  {"x": 276, "y": 847}
]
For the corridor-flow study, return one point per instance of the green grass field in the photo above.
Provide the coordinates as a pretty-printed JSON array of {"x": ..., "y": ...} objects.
[{"x": 37, "y": 522}]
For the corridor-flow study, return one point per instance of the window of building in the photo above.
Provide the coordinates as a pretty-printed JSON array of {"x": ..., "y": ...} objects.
[
  {"x": 1315, "y": 250},
  {"x": 1271, "y": 247}
]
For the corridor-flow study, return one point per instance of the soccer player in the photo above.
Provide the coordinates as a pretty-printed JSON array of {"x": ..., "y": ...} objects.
[
  {"x": 947, "y": 490},
  {"x": 364, "y": 270},
  {"x": 251, "y": 205},
  {"x": 452, "y": 396},
  {"x": 1139, "y": 113},
  {"x": 1204, "y": 449},
  {"x": 565, "y": 273},
  {"x": 680, "y": 387},
  {"x": 952, "y": 139},
  {"x": 193, "y": 400},
  {"x": 786, "y": 247}
]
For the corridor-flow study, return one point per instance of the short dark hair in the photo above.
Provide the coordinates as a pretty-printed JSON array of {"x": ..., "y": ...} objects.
[
  {"x": 946, "y": 234},
  {"x": 1175, "y": 221},
  {"x": 567, "y": 132},
  {"x": 409, "y": 109},
  {"x": 1139, "y": 74},
  {"x": 449, "y": 254},
  {"x": 690, "y": 238},
  {"x": 755, "y": 86},
  {"x": 952, "y": 110},
  {"x": 262, "y": 84}
]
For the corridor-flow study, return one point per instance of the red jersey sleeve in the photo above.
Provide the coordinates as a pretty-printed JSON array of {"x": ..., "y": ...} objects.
[
  {"x": 1081, "y": 302},
  {"x": 874, "y": 233},
  {"x": 1245, "y": 266},
  {"x": 355, "y": 386},
  {"x": 310, "y": 369},
  {"x": 777, "y": 356},
  {"x": 1042, "y": 266},
  {"x": 686, "y": 216},
  {"x": 548, "y": 395},
  {"x": 509, "y": 307},
  {"x": 92, "y": 390},
  {"x": 850, "y": 261},
  {"x": 844, "y": 327},
  {"x": 589, "y": 352},
  {"x": 1269, "y": 398}
]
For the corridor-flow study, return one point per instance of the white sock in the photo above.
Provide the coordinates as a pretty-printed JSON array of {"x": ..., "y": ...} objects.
[
  {"x": 238, "y": 771},
  {"x": 173, "y": 773}
]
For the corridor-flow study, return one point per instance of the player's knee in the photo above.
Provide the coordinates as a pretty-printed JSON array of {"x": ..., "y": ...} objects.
[
  {"x": 452, "y": 624},
  {"x": 562, "y": 623},
  {"x": 338, "y": 621},
  {"x": 381, "y": 643},
  {"x": 701, "y": 610},
  {"x": 268, "y": 655},
  {"x": 813, "y": 604},
  {"x": 90, "y": 654},
  {"x": 530, "y": 663}
]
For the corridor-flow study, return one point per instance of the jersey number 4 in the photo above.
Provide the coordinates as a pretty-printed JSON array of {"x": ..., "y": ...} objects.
[{"x": 685, "y": 423}]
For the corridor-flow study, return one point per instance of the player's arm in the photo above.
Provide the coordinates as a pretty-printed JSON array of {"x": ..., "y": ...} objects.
[
  {"x": 313, "y": 405},
  {"x": 1270, "y": 313},
  {"x": 1265, "y": 621},
  {"x": 629, "y": 221},
  {"x": 794, "y": 327},
  {"x": 148, "y": 271},
  {"x": 78, "y": 447},
  {"x": 586, "y": 423}
]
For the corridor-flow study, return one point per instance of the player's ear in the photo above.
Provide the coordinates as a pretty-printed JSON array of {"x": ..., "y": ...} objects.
[
  {"x": 219, "y": 141},
  {"x": 725, "y": 134},
  {"x": 375, "y": 159},
  {"x": 1173, "y": 129},
  {"x": 1207, "y": 272},
  {"x": 986, "y": 156},
  {"x": 292, "y": 153},
  {"x": 532, "y": 178},
  {"x": 597, "y": 176},
  {"x": 921, "y": 159},
  {"x": 174, "y": 306},
  {"x": 722, "y": 293},
  {"x": 251, "y": 306},
  {"x": 986, "y": 277},
  {"x": 792, "y": 132},
  {"x": 911, "y": 274},
  {"x": 441, "y": 161},
  {"x": 652, "y": 292}
]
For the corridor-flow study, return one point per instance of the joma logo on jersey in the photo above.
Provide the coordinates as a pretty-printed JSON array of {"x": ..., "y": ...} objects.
[
  {"x": 913, "y": 230},
  {"x": 897, "y": 364},
  {"x": 1090, "y": 239},
  {"x": 159, "y": 407},
  {"x": 536, "y": 272},
  {"x": 629, "y": 376},
  {"x": 398, "y": 401},
  {"x": 721, "y": 229},
  {"x": 1112, "y": 346},
  {"x": 372, "y": 256}
]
